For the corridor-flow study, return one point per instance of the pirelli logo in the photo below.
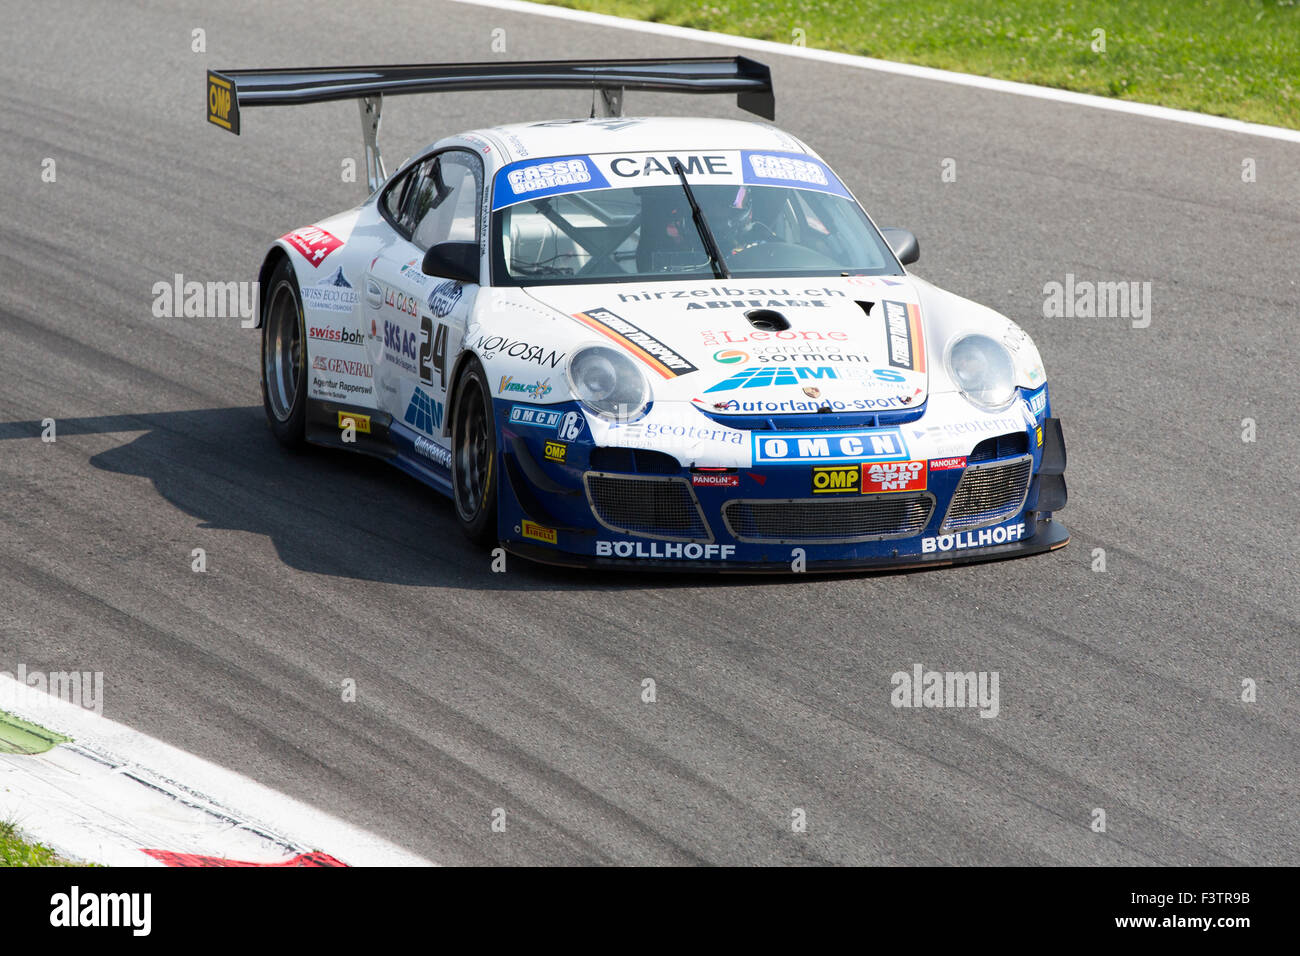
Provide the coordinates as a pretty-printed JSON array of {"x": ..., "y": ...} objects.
[
  {"x": 359, "y": 423},
  {"x": 537, "y": 532},
  {"x": 640, "y": 343},
  {"x": 223, "y": 104}
]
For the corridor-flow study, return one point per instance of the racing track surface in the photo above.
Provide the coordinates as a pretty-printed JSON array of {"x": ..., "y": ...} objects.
[{"x": 1119, "y": 690}]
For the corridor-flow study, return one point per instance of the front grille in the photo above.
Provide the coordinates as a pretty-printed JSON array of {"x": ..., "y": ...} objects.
[
  {"x": 989, "y": 494},
  {"x": 633, "y": 459},
  {"x": 1003, "y": 446},
  {"x": 652, "y": 507},
  {"x": 829, "y": 521}
]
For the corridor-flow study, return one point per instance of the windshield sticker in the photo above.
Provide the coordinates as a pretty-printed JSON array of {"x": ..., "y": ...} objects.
[
  {"x": 789, "y": 169},
  {"x": 532, "y": 179}
]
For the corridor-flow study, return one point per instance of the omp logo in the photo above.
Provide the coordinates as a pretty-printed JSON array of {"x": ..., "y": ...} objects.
[
  {"x": 798, "y": 448},
  {"x": 893, "y": 476},
  {"x": 360, "y": 423},
  {"x": 537, "y": 532},
  {"x": 785, "y": 167},
  {"x": 565, "y": 172},
  {"x": 556, "y": 451},
  {"x": 766, "y": 377},
  {"x": 730, "y": 356},
  {"x": 222, "y": 108},
  {"x": 839, "y": 480},
  {"x": 130, "y": 910},
  {"x": 423, "y": 413}
]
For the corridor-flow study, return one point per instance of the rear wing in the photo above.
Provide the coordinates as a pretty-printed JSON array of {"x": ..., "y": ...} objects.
[{"x": 229, "y": 91}]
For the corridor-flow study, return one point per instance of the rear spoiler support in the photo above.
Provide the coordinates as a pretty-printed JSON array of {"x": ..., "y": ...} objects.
[{"x": 229, "y": 91}]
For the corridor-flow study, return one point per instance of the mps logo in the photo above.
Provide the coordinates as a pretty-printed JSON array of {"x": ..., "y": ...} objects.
[
  {"x": 893, "y": 476},
  {"x": 423, "y": 413},
  {"x": 761, "y": 377}
]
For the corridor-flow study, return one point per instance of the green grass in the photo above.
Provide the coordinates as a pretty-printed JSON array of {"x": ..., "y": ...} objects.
[
  {"x": 15, "y": 851},
  {"x": 1236, "y": 58}
]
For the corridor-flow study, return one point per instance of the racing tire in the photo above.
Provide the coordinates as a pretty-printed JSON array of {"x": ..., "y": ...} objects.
[
  {"x": 284, "y": 358},
  {"x": 474, "y": 464}
]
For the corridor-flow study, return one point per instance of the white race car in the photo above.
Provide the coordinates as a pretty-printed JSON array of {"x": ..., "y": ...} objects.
[{"x": 649, "y": 342}]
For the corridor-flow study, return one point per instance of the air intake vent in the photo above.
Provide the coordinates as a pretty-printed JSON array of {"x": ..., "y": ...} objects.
[
  {"x": 833, "y": 521},
  {"x": 989, "y": 494},
  {"x": 652, "y": 507}
]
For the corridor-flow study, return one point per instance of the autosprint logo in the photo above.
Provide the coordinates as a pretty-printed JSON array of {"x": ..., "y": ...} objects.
[
  {"x": 946, "y": 689},
  {"x": 182, "y": 299},
  {"x": 84, "y": 689},
  {"x": 75, "y": 909},
  {"x": 1084, "y": 299}
]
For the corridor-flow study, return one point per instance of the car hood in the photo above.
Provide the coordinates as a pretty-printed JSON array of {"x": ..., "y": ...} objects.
[{"x": 747, "y": 346}]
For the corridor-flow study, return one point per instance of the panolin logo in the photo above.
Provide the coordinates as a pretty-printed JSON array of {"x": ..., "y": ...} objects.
[
  {"x": 314, "y": 244},
  {"x": 943, "y": 464}
]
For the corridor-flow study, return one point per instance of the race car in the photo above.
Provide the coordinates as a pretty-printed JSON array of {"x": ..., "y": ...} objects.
[{"x": 648, "y": 343}]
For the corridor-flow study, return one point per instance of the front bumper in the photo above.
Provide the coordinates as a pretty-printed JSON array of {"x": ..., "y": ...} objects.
[{"x": 556, "y": 506}]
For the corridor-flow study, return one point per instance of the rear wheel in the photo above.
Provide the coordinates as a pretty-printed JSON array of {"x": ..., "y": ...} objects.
[
  {"x": 474, "y": 457},
  {"x": 284, "y": 358}
]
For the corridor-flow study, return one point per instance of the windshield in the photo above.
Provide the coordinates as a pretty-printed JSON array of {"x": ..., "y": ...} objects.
[{"x": 596, "y": 232}]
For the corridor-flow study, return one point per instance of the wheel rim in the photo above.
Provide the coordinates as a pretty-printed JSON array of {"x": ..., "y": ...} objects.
[
  {"x": 283, "y": 354},
  {"x": 473, "y": 453}
]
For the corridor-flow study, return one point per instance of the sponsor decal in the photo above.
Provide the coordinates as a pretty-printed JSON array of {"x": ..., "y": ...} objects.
[
  {"x": 571, "y": 426},
  {"x": 423, "y": 413},
  {"x": 726, "y": 292},
  {"x": 493, "y": 345},
  {"x": 944, "y": 464},
  {"x": 812, "y": 391},
  {"x": 730, "y": 356},
  {"x": 223, "y": 107},
  {"x": 973, "y": 539},
  {"x": 434, "y": 452},
  {"x": 541, "y": 417},
  {"x": 444, "y": 298},
  {"x": 338, "y": 388},
  {"x": 313, "y": 244},
  {"x": 538, "y": 532},
  {"x": 660, "y": 430},
  {"x": 1038, "y": 402},
  {"x": 882, "y": 477},
  {"x": 630, "y": 167},
  {"x": 1039, "y": 432},
  {"x": 798, "y": 448},
  {"x": 957, "y": 429},
  {"x": 670, "y": 550},
  {"x": 360, "y": 423},
  {"x": 742, "y": 336},
  {"x": 758, "y": 304},
  {"x": 323, "y": 363},
  {"x": 768, "y": 377},
  {"x": 400, "y": 346},
  {"x": 413, "y": 272},
  {"x": 342, "y": 336},
  {"x": 331, "y": 294},
  {"x": 531, "y": 179},
  {"x": 556, "y": 451},
  {"x": 535, "y": 390},
  {"x": 903, "y": 327},
  {"x": 640, "y": 343},
  {"x": 837, "y": 480},
  {"x": 715, "y": 479},
  {"x": 789, "y": 169},
  {"x": 401, "y": 301}
]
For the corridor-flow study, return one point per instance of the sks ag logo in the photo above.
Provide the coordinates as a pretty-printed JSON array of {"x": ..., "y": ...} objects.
[
  {"x": 767, "y": 377},
  {"x": 423, "y": 413},
  {"x": 799, "y": 448},
  {"x": 398, "y": 340}
]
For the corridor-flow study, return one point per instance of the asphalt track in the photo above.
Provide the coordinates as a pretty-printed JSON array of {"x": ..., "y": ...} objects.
[{"x": 1120, "y": 690}]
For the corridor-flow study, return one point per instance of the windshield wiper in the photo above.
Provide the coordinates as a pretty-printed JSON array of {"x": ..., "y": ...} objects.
[{"x": 702, "y": 224}]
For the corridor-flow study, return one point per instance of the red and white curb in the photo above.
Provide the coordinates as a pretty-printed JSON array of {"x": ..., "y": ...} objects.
[{"x": 118, "y": 797}]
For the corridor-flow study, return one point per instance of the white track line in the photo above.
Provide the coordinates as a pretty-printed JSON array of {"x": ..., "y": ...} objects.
[
  {"x": 114, "y": 792},
  {"x": 902, "y": 69}
]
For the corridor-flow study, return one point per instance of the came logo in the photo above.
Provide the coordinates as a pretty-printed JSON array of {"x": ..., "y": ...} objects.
[
  {"x": 797, "y": 448},
  {"x": 423, "y": 413}
]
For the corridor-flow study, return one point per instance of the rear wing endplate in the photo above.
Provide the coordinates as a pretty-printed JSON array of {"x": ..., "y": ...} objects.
[{"x": 229, "y": 91}]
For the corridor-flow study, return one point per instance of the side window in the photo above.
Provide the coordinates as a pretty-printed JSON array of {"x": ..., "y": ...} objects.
[
  {"x": 443, "y": 203},
  {"x": 392, "y": 200}
]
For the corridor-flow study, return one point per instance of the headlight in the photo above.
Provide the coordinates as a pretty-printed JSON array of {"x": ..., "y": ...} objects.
[
  {"x": 608, "y": 382},
  {"x": 983, "y": 370}
]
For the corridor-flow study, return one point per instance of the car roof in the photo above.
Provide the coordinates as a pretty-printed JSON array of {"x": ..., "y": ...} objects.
[{"x": 629, "y": 134}]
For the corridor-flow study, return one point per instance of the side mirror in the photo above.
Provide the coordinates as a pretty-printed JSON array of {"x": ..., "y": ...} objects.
[
  {"x": 903, "y": 243},
  {"x": 452, "y": 260}
]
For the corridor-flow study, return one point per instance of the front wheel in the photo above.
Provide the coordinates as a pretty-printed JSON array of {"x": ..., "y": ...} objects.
[
  {"x": 284, "y": 358},
  {"x": 474, "y": 457}
]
